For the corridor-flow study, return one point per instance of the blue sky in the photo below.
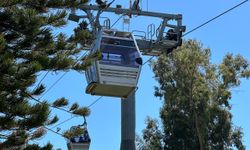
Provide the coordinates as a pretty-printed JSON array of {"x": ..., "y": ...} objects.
[{"x": 228, "y": 34}]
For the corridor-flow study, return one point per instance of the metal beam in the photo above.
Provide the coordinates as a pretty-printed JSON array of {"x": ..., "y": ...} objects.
[
  {"x": 128, "y": 123},
  {"x": 132, "y": 12}
]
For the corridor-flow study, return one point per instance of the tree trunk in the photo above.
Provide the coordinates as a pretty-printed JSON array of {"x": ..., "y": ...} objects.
[{"x": 198, "y": 131}]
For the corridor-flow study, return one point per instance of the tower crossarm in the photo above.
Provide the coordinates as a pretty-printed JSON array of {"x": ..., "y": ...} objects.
[
  {"x": 164, "y": 39},
  {"x": 124, "y": 11}
]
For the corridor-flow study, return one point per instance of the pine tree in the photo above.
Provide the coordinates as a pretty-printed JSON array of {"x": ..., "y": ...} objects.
[
  {"x": 28, "y": 46},
  {"x": 196, "y": 100}
]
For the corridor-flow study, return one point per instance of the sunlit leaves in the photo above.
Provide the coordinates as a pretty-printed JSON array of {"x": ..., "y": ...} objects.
[
  {"x": 74, "y": 131},
  {"x": 52, "y": 121},
  {"x": 38, "y": 133},
  {"x": 27, "y": 47},
  {"x": 39, "y": 90},
  {"x": 83, "y": 111},
  {"x": 195, "y": 112},
  {"x": 61, "y": 102},
  {"x": 74, "y": 107}
]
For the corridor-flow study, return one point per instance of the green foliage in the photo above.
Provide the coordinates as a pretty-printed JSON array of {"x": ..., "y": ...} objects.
[
  {"x": 39, "y": 90},
  {"x": 36, "y": 147},
  {"x": 86, "y": 61},
  {"x": 28, "y": 46},
  {"x": 83, "y": 111},
  {"x": 17, "y": 137},
  {"x": 74, "y": 131},
  {"x": 74, "y": 107},
  {"x": 152, "y": 135},
  {"x": 196, "y": 93},
  {"x": 61, "y": 102},
  {"x": 52, "y": 121},
  {"x": 2, "y": 42},
  {"x": 38, "y": 133},
  {"x": 82, "y": 34},
  {"x": 38, "y": 114}
]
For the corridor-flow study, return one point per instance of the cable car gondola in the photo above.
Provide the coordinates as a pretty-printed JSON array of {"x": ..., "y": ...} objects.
[
  {"x": 117, "y": 72},
  {"x": 80, "y": 142}
]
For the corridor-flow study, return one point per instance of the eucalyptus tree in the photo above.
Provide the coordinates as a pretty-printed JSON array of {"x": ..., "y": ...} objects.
[{"x": 196, "y": 98}]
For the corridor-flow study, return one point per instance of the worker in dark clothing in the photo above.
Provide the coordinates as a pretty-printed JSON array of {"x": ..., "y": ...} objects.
[
  {"x": 136, "y": 5},
  {"x": 72, "y": 140},
  {"x": 86, "y": 136},
  {"x": 171, "y": 35}
]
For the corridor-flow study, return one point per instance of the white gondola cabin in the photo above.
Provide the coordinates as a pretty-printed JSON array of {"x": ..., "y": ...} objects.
[{"x": 117, "y": 72}]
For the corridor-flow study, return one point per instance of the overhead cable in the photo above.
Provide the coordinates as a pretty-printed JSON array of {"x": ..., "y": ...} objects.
[
  {"x": 90, "y": 105},
  {"x": 60, "y": 78},
  {"x": 215, "y": 18},
  {"x": 205, "y": 23}
]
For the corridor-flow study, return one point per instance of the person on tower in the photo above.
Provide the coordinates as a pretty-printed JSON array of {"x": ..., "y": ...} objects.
[{"x": 136, "y": 5}]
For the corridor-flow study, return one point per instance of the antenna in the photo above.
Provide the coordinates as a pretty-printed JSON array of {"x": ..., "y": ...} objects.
[{"x": 126, "y": 23}]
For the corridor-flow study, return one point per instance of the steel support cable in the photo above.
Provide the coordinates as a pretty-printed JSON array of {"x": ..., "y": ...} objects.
[
  {"x": 148, "y": 60},
  {"x": 205, "y": 23},
  {"x": 223, "y": 13},
  {"x": 38, "y": 100},
  {"x": 60, "y": 78},
  {"x": 51, "y": 129},
  {"x": 47, "y": 129},
  {"x": 93, "y": 103},
  {"x": 189, "y": 31},
  {"x": 52, "y": 106},
  {"x": 58, "y": 133},
  {"x": 116, "y": 21},
  {"x": 64, "y": 75},
  {"x": 39, "y": 83},
  {"x": 153, "y": 56},
  {"x": 62, "y": 122},
  {"x": 59, "y": 108},
  {"x": 90, "y": 105},
  {"x": 45, "y": 75},
  {"x": 73, "y": 115}
]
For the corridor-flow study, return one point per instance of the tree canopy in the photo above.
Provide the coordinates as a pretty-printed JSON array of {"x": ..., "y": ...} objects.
[
  {"x": 27, "y": 47},
  {"x": 196, "y": 101}
]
